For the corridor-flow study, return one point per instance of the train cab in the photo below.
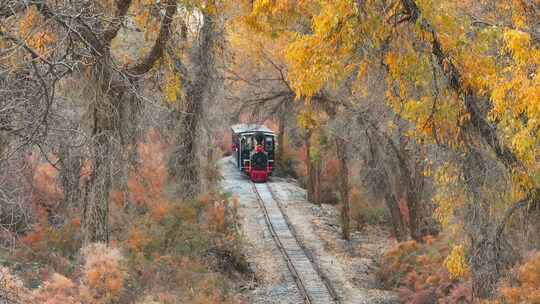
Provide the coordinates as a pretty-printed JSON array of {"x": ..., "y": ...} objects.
[{"x": 253, "y": 147}]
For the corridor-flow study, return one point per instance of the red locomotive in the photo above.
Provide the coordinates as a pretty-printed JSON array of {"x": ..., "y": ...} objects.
[{"x": 253, "y": 148}]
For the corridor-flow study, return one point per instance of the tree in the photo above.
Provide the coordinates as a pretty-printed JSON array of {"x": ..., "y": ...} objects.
[
  {"x": 113, "y": 99},
  {"x": 453, "y": 98},
  {"x": 196, "y": 82}
]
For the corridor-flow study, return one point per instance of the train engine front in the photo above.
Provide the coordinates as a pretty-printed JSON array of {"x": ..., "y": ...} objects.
[{"x": 260, "y": 167}]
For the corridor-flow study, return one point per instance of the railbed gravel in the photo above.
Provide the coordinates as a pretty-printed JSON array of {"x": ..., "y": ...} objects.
[{"x": 350, "y": 266}]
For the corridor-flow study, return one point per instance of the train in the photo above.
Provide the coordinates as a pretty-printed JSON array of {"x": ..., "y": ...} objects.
[{"x": 253, "y": 147}]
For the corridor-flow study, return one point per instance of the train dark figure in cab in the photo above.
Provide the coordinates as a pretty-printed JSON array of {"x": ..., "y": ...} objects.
[{"x": 253, "y": 147}]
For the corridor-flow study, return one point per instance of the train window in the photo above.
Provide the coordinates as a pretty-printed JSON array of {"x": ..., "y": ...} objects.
[
  {"x": 247, "y": 144},
  {"x": 269, "y": 143}
]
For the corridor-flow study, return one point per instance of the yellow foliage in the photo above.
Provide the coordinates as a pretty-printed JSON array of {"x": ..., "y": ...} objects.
[
  {"x": 449, "y": 196},
  {"x": 31, "y": 30},
  {"x": 518, "y": 43},
  {"x": 173, "y": 87},
  {"x": 322, "y": 57},
  {"x": 455, "y": 262},
  {"x": 142, "y": 19},
  {"x": 29, "y": 21},
  {"x": 308, "y": 119}
]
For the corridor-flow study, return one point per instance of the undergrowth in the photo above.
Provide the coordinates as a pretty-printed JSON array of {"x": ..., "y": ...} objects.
[
  {"x": 162, "y": 250},
  {"x": 430, "y": 272},
  {"x": 417, "y": 272}
]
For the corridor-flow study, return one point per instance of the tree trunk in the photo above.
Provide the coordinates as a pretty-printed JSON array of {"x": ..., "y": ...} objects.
[
  {"x": 398, "y": 225},
  {"x": 3, "y": 144},
  {"x": 184, "y": 161},
  {"x": 317, "y": 164},
  {"x": 412, "y": 200},
  {"x": 489, "y": 256},
  {"x": 309, "y": 168},
  {"x": 70, "y": 172},
  {"x": 95, "y": 205},
  {"x": 343, "y": 186},
  {"x": 380, "y": 184},
  {"x": 184, "y": 164},
  {"x": 313, "y": 166},
  {"x": 280, "y": 138},
  {"x": 95, "y": 215}
]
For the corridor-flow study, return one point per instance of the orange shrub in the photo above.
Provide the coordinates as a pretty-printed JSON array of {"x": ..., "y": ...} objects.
[
  {"x": 527, "y": 289},
  {"x": 50, "y": 248},
  {"x": 45, "y": 192},
  {"x": 170, "y": 249},
  {"x": 216, "y": 217},
  {"x": 417, "y": 272},
  {"x": 103, "y": 274},
  {"x": 11, "y": 288},
  {"x": 331, "y": 170},
  {"x": 57, "y": 290}
]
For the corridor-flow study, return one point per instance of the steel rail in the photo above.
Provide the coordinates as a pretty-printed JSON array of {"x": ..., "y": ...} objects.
[
  {"x": 308, "y": 253},
  {"x": 319, "y": 290},
  {"x": 298, "y": 280}
]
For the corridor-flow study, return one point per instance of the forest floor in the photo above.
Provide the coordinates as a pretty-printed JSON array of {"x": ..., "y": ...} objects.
[{"x": 349, "y": 266}]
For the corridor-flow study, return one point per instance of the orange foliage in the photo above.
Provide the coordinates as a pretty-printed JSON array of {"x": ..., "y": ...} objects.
[
  {"x": 57, "y": 290},
  {"x": 102, "y": 281},
  {"x": 331, "y": 169},
  {"x": 216, "y": 217},
  {"x": 31, "y": 30},
  {"x": 34, "y": 239},
  {"x": 527, "y": 290},
  {"x": 147, "y": 183},
  {"x": 404, "y": 210},
  {"x": 51, "y": 245},
  {"x": 136, "y": 240},
  {"x": 159, "y": 209},
  {"x": 417, "y": 271},
  {"x": 167, "y": 244},
  {"x": 11, "y": 288},
  {"x": 46, "y": 194},
  {"x": 103, "y": 276},
  {"x": 301, "y": 168},
  {"x": 145, "y": 186}
]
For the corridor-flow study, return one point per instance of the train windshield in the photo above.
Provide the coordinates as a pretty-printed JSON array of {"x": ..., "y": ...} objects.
[{"x": 269, "y": 143}]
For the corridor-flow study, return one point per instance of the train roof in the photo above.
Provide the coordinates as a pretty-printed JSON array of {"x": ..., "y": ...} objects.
[{"x": 243, "y": 128}]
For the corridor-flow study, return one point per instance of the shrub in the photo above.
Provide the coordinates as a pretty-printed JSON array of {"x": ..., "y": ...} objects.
[
  {"x": 526, "y": 289},
  {"x": 103, "y": 274},
  {"x": 288, "y": 164},
  {"x": 11, "y": 288},
  {"x": 417, "y": 272},
  {"x": 172, "y": 247},
  {"x": 46, "y": 193},
  {"x": 162, "y": 249},
  {"x": 47, "y": 249},
  {"x": 102, "y": 281},
  {"x": 366, "y": 212},
  {"x": 57, "y": 290},
  {"x": 176, "y": 253}
]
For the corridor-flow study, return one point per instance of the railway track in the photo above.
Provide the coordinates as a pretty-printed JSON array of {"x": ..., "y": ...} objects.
[{"x": 312, "y": 284}]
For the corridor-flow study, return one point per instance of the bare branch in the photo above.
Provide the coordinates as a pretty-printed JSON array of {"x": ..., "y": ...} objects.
[
  {"x": 114, "y": 27},
  {"x": 157, "y": 50}
]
